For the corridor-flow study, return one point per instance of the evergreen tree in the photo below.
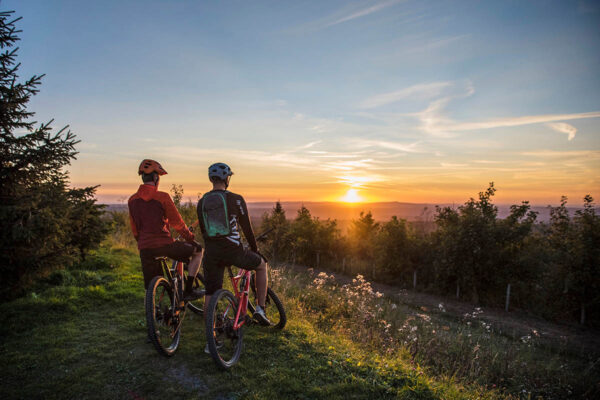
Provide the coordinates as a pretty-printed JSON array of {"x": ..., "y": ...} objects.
[
  {"x": 45, "y": 224},
  {"x": 278, "y": 240}
]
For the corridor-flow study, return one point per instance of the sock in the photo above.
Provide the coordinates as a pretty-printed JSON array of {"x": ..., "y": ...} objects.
[{"x": 189, "y": 282}]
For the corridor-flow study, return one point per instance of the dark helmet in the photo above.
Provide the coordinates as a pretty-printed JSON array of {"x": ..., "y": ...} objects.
[{"x": 220, "y": 171}]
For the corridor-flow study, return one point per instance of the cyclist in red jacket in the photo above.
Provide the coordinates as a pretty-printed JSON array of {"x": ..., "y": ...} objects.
[{"x": 151, "y": 213}]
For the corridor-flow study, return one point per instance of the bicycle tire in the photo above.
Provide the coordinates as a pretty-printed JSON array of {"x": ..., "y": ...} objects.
[
  {"x": 272, "y": 303},
  {"x": 161, "y": 315},
  {"x": 224, "y": 344}
]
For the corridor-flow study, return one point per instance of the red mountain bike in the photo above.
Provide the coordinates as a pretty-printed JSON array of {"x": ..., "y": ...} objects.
[{"x": 227, "y": 313}]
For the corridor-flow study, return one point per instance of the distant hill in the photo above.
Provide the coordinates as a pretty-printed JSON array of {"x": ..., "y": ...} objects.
[{"x": 382, "y": 211}]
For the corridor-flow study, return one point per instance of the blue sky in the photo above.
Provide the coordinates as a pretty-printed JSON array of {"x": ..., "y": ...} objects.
[{"x": 394, "y": 100}]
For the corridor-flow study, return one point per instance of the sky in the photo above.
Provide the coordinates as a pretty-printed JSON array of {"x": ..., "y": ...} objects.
[{"x": 411, "y": 101}]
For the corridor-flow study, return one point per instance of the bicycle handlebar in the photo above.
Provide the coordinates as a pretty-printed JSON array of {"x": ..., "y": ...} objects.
[{"x": 262, "y": 235}]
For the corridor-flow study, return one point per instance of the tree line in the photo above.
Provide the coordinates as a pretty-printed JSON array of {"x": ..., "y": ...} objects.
[{"x": 553, "y": 268}]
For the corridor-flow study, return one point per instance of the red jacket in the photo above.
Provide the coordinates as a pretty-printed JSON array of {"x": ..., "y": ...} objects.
[{"x": 151, "y": 213}]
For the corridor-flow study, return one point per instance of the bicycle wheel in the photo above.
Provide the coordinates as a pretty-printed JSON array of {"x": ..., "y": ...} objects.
[
  {"x": 197, "y": 306},
  {"x": 162, "y": 321},
  {"x": 224, "y": 343},
  {"x": 273, "y": 307}
]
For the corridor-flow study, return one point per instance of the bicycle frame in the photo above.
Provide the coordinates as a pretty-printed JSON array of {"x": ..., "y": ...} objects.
[
  {"x": 243, "y": 276},
  {"x": 175, "y": 276}
]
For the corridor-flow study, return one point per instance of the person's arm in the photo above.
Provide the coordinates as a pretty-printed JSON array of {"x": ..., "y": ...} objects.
[
  {"x": 174, "y": 218},
  {"x": 132, "y": 223},
  {"x": 244, "y": 220},
  {"x": 200, "y": 217},
  {"x": 133, "y": 227}
]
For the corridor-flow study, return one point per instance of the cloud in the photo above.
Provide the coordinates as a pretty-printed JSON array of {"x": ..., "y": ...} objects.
[
  {"x": 487, "y": 162},
  {"x": 309, "y": 145},
  {"x": 362, "y": 13},
  {"x": 557, "y": 154},
  {"x": 453, "y": 165},
  {"x": 420, "y": 91},
  {"x": 563, "y": 127},
  {"x": 434, "y": 122},
  {"x": 341, "y": 16},
  {"x": 406, "y": 148},
  {"x": 518, "y": 121}
]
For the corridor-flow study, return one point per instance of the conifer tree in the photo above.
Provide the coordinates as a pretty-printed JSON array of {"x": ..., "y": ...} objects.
[{"x": 44, "y": 222}]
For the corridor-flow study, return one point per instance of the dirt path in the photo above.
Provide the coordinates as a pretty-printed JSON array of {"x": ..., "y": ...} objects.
[{"x": 515, "y": 324}]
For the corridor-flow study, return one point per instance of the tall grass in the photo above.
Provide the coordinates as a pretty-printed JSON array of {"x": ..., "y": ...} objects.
[{"x": 464, "y": 348}]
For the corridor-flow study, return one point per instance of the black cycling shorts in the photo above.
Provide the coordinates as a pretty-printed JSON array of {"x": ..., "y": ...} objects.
[
  {"x": 179, "y": 251},
  {"x": 219, "y": 254}
]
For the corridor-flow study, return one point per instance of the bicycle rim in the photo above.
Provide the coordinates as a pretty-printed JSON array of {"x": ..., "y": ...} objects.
[
  {"x": 224, "y": 343},
  {"x": 164, "y": 324}
]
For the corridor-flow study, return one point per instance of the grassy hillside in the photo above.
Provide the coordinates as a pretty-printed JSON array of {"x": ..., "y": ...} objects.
[{"x": 81, "y": 334}]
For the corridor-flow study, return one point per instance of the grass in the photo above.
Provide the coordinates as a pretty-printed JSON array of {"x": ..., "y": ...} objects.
[
  {"x": 461, "y": 347},
  {"x": 80, "y": 333}
]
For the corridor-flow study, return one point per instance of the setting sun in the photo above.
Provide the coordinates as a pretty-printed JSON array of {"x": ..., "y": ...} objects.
[{"x": 352, "y": 196}]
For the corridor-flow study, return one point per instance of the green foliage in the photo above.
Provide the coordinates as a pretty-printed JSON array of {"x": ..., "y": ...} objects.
[
  {"x": 574, "y": 246},
  {"x": 46, "y": 224},
  {"x": 476, "y": 250},
  {"x": 278, "y": 240},
  {"x": 395, "y": 249},
  {"x": 187, "y": 210},
  {"x": 553, "y": 269}
]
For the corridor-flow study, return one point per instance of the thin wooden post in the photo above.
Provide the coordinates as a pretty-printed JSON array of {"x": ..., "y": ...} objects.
[
  {"x": 415, "y": 279},
  {"x": 507, "y": 297},
  {"x": 457, "y": 289}
]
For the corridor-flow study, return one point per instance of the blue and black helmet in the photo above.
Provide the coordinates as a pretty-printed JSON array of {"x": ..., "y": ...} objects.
[{"x": 220, "y": 171}]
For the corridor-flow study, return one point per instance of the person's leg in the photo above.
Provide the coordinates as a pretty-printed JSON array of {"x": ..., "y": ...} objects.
[
  {"x": 262, "y": 282},
  {"x": 187, "y": 253},
  {"x": 150, "y": 266},
  {"x": 194, "y": 264},
  {"x": 213, "y": 278}
]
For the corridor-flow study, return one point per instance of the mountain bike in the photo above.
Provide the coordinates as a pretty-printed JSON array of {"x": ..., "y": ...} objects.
[
  {"x": 227, "y": 314},
  {"x": 165, "y": 307}
]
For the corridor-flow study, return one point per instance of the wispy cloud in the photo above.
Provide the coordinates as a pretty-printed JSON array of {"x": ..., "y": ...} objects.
[
  {"x": 558, "y": 154},
  {"x": 363, "y": 12},
  {"x": 406, "y": 148},
  {"x": 518, "y": 121},
  {"x": 343, "y": 15},
  {"x": 309, "y": 145},
  {"x": 453, "y": 165},
  {"x": 435, "y": 122},
  {"x": 563, "y": 128},
  {"x": 420, "y": 91}
]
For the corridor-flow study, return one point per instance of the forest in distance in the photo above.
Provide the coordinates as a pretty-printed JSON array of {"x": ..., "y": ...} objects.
[
  {"x": 467, "y": 252},
  {"x": 381, "y": 211}
]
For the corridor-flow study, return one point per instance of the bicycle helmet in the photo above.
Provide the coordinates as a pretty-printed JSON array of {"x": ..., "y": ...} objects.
[
  {"x": 220, "y": 171},
  {"x": 149, "y": 166}
]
